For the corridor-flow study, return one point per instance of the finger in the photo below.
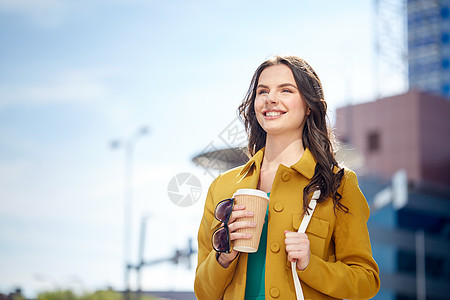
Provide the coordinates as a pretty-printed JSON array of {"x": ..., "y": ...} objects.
[
  {"x": 236, "y": 214},
  {"x": 295, "y": 237},
  {"x": 300, "y": 249},
  {"x": 240, "y": 225},
  {"x": 300, "y": 259},
  {"x": 295, "y": 253},
  {"x": 238, "y": 207},
  {"x": 289, "y": 234},
  {"x": 295, "y": 241},
  {"x": 239, "y": 236},
  {"x": 295, "y": 256},
  {"x": 296, "y": 247}
]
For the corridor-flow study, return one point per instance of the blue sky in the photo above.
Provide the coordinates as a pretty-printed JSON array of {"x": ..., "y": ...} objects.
[{"x": 76, "y": 74}]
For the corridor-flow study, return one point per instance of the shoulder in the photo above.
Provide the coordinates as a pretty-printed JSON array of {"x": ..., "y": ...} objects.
[
  {"x": 349, "y": 176},
  {"x": 232, "y": 173},
  {"x": 226, "y": 181},
  {"x": 352, "y": 196},
  {"x": 349, "y": 181}
]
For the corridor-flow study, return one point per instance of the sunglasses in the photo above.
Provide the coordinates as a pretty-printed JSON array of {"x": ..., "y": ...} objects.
[{"x": 221, "y": 237}]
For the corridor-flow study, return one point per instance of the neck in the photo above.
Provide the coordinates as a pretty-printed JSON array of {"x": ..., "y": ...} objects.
[{"x": 282, "y": 150}]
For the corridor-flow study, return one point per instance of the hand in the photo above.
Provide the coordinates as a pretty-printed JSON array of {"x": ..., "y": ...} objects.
[
  {"x": 297, "y": 248},
  {"x": 234, "y": 224}
]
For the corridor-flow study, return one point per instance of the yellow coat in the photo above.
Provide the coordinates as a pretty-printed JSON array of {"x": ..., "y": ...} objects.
[{"x": 341, "y": 264}]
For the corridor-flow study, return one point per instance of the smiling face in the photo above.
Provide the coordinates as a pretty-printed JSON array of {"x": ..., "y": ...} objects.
[{"x": 279, "y": 106}]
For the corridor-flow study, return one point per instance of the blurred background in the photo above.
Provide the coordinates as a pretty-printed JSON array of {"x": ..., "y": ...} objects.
[{"x": 115, "y": 116}]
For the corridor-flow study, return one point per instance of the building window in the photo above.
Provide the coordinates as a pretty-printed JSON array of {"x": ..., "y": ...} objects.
[
  {"x": 445, "y": 13},
  {"x": 445, "y": 38},
  {"x": 373, "y": 141}
]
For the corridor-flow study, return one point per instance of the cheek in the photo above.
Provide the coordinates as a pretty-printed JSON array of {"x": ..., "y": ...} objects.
[
  {"x": 257, "y": 104},
  {"x": 299, "y": 106}
]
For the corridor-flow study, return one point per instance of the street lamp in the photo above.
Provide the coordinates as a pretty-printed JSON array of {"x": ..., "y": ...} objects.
[{"x": 128, "y": 144}]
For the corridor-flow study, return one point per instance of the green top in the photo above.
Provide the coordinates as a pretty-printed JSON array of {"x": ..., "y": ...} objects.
[{"x": 256, "y": 266}]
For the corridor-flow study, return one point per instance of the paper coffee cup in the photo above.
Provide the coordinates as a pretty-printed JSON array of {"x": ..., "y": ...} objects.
[{"x": 255, "y": 201}]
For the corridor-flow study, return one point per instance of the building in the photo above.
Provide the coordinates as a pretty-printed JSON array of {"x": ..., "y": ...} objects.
[
  {"x": 429, "y": 45},
  {"x": 411, "y": 239},
  {"x": 410, "y": 131}
]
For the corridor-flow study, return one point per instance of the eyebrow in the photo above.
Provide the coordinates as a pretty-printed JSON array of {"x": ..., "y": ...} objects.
[{"x": 280, "y": 86}]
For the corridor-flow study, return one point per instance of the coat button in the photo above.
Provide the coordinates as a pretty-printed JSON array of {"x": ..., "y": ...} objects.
[
  {"x": 278, "y": 207},
  {"x": 274, "y": 292},
  {"x": 275, "y": 247},
  {"x": 285, "y": 176}
]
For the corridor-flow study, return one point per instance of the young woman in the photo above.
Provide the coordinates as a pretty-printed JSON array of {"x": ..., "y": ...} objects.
[{"x": 290, "y": 142}]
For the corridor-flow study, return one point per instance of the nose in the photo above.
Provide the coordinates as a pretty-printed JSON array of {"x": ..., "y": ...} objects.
[{"x": 271, "y": 99}]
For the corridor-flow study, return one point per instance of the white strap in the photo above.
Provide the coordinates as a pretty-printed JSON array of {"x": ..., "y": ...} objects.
[{"x": 302, "y": 229}]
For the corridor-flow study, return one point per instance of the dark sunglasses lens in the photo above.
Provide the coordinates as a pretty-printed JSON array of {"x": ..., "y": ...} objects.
[
  {"x": 221, "y": 241},
  {"x": 224, "y": 210}
]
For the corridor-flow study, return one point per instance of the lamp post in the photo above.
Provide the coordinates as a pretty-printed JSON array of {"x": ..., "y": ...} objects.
[
  {"x": 141, "y": 262},
  {"x": 128, "y": 145}
]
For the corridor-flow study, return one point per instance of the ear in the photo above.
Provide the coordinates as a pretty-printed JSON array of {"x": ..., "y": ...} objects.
[{"x": 308, "y": 111}]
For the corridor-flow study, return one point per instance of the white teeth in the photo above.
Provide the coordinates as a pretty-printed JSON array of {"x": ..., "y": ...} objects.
[{"x": 272, "y": 113}]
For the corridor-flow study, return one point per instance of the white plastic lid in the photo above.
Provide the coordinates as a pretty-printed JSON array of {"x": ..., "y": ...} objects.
[{"x": 252, "y": 192}]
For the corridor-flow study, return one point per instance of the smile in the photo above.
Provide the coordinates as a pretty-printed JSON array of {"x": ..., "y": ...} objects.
[{"x": 273, "y": 114}]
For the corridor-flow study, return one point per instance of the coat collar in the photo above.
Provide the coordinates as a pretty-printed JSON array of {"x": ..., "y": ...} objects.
[{"x": 305, "y": 166}]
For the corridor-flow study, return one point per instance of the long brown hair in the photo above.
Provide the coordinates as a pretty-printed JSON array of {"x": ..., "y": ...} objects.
[{"x": 317, "y": 136}]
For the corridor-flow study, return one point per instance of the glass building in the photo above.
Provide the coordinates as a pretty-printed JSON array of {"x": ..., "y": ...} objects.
[{"x": 429, "y": 46}]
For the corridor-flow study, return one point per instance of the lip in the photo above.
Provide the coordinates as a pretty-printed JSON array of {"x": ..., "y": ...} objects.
[{"x": 264, "y": 113}]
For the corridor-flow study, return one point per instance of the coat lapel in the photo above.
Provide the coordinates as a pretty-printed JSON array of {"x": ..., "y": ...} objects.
[{"x": 249, "y": 174}]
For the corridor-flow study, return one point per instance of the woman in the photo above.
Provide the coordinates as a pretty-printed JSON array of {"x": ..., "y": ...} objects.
[{"x": 284, "y": 113}]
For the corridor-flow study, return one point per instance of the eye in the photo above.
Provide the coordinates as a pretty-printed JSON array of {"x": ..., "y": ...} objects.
[
  {"x": 286, "y": 91},
  {"x": 262, "y": 92}
]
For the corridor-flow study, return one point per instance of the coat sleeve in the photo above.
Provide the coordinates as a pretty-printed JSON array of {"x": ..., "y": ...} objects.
[
  {"x": 211, "y": 279},
  {"x": 355, "y": 274}
]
